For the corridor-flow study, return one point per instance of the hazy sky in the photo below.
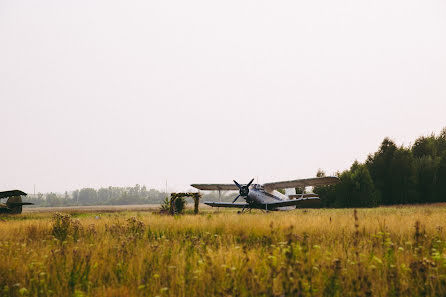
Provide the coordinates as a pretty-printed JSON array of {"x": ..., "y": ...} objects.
[{"x": 99, "y": 93}]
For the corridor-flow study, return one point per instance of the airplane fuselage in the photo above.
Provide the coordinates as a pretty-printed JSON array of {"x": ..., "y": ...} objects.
[{"x": 258, "y": 197}]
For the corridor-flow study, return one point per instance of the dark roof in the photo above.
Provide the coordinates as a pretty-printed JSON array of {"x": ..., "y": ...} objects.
[{"x": 12, "y": 193}]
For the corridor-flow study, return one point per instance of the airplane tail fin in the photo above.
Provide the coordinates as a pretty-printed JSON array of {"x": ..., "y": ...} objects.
[{"x": 290, "y": 191}]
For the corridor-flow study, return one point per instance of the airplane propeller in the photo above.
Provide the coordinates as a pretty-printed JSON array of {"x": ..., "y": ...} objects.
[{"x": 244, "y": 190}]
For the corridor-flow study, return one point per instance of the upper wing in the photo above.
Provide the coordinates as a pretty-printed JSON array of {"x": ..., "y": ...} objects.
[
  {"x": 226, "y": 204},
  {"x": 315, "y": 181},
  {"x": 12, "y": 193},
  {"x": 289, "y": 202},
  {"x": 216, "y": 187}
]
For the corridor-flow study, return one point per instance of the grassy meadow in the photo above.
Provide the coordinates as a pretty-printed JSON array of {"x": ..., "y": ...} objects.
[{"x": 397, "y": 251}]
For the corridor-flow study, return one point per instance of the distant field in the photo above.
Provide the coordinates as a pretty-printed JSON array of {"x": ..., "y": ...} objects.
[{"x": 133, "y": 251}]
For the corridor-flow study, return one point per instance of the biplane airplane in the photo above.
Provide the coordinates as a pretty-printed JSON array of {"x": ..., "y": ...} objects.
[
  {"x": 14, "y": 203},
  {"x": 267, "y": 196}
]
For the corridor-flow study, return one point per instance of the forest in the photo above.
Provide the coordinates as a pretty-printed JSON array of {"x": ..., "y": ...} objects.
[{"x": 393, "y": 175}]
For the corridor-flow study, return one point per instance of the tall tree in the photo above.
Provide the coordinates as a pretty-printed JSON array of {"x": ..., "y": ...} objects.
[
  {"x": 425, "y": 146},
  {"x": 88, "y": 196},
  {"x": 379, "y": 165},
  {"x": 440, "y": 182},
  {"x": 356, "y": 188},
  {"x": 426, "y": 170},
  {"x": 401, "y": 177}
]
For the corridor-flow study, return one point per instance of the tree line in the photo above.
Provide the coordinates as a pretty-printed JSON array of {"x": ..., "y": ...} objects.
[
  {"x": 393, "y": 175},
  {"x": 102, "y": 196}
]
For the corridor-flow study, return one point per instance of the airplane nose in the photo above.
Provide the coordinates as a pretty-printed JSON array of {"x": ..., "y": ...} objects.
[{"x": 244, "y": 190}]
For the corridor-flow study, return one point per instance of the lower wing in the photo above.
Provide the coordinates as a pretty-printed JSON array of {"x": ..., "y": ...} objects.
[
  {"x": 289, "y": 202},
  {"x": 226, "y": 204},
  {"x": 14, "y": 204}
]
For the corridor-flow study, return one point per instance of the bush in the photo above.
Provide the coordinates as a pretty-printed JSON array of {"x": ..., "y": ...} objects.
[
  {"x": 61, "y": 226},
  {"x": 180, "y": 204},
  {"x": 64, "y": 225},
  {"x": 165, "y": 205}
]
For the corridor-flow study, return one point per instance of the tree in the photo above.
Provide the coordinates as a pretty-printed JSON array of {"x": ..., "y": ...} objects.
[
  {"x": 426, "y": 171},
  {"x": 104, "y": 195},
  {"x": 88, "y": 196},
  {"x": 180, "y": 204},
  {"x": 425, "y": 146},
  {"x": 440, "y": 182},
  {"x": 76, "y": 196},
  {"x": 356, "y": 188},
  {"x": 401, "y": 178},
  {"x": 327, "y": 194},
  {"x": 379, "y": 165},
  {"x": 441, "y": 143},
  {"x": 53, "y": 200}
]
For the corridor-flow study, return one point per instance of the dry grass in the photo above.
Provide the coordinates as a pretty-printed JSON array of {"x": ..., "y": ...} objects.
[{"x": 382, "y": 252}]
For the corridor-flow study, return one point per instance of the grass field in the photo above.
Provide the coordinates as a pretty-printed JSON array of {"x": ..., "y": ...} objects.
[{"x": 375, "y": 252}]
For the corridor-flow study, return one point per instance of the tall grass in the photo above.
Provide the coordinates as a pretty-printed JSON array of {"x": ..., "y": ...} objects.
[{"x": 371, "y": 252}]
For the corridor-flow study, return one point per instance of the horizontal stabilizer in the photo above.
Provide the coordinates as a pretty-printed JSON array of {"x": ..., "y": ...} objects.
[{"x": 226, "y": 204}]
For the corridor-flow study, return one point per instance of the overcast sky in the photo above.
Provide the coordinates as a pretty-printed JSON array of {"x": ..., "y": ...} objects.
[{"x": 99, "y": 93}]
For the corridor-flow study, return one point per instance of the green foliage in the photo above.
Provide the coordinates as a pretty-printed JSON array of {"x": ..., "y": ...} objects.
[
  {"x": 61, "y": 226},
  {"x": 393, "y": 175},
  {"x": 165, "y": 205},
  {"x": 135, "y": 227},
  {"x": 88, "y": 195},
  {"x": 180, "y": 204},
  {"x": 282, "y": 191},
  {"x": 425, "y": 146},
  {"x": 426, "y": 171},
  {"x": 64, "y": 226},
  {"x": 359, "y": 190},
  {"x": 440, "y": 181},
  {"x": 356, "y": 189}
]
